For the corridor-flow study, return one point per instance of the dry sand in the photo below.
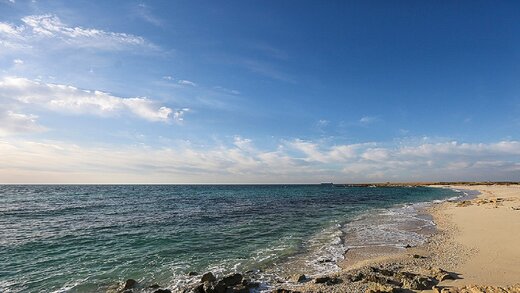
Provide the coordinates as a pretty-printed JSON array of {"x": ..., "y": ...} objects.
[{"x": 489, "y": 226}]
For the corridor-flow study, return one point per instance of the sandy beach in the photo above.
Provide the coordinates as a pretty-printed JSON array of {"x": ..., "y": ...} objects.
[
  {"x": 489, "y": 226},
  {"x": 476, "y": 248}
]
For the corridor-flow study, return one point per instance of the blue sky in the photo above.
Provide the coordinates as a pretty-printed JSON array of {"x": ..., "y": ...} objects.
[{"x": 258, "y": 91}]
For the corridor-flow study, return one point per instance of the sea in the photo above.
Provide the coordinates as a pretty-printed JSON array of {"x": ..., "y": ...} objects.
[{"x": 86, "y": 238}]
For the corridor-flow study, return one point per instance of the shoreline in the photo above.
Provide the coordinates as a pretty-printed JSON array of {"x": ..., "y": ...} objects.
[
  {"x": 475, "y": 249},
  {"x": 450, "y": 259}
]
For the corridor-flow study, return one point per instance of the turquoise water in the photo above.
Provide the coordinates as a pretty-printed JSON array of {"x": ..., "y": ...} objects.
[{"x": 84, "y": 238}]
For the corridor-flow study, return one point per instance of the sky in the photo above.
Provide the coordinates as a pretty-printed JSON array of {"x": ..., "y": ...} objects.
[{"x": 259, "y": 91}]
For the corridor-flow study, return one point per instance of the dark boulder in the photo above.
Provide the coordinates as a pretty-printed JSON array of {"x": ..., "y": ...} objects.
[
  {"x": 129, "y": 284},
  {"x": 232, "y": 280},
  {"x": 208, "y": 277}
]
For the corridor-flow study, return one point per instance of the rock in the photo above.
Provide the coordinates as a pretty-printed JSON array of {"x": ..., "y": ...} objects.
[
  {"x": 193, "y": 274},
  {"x": 437, "y": 289},
  {"x": 334, "y": 281},
  {"x": 321, "y": 280},
  {"x": 442, "y": 275},
  {"x": 198, "y": 289},
  {"x": 408, "y": 246},
  {"x": 464, "y": 203},
  {"x": 325, "y": 260},
  {"x": 217, "y": 288},
  {"x": 447, "y": 276},
  {"x": 328, "y": 280},
  {"x": 232, "y": 280},
  {"x": 208, "y": 277},
  {"x": 253, "y": 271},
  {"x": 298, "y": 278},
  {"x": 163, "y": 291},
  {"x": 405, "y": 275},
  {"x": 356, "y": 278},
  {"x": 419, "y": 283},
  {"x": 129, "y": 284},
  {"x": 387, "y": 273},
  {"x": 418, "y": 256},
  {"x": 155, "y": 286},
  {"x": 238, "y": 289},
  {"x": 283, "y": 290},
  {"x": 250, "y": 284},
  {"x": 214, "y": 288},
  {"x": 376, "y": 279},
  {"x": 379, "y": 288}
]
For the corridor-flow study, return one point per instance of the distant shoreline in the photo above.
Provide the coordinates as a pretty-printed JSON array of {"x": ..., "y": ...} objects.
[{"x": 375, "y": 184}]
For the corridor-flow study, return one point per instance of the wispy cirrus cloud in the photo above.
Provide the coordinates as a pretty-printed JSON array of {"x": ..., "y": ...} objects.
[
  {"x": 39, "y": 30},
  {"x": 71, "y": 100},
  {"x": 186, "y": 82}
]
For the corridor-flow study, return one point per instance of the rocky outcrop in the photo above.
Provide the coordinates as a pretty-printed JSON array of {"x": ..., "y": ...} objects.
[{"x": 234, "y": 283}]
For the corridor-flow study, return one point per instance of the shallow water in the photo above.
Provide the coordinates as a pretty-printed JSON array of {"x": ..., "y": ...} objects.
[{"x": 84, "y": 238}]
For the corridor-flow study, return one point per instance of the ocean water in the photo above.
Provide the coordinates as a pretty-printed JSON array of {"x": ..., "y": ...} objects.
[{"x": 85, "y": 238}]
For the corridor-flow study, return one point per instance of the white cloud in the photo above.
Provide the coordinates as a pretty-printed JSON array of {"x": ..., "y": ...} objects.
[
  {"x": 38, "y": 28},
  {"x": 69, "y": 99},
  {"x": 375, "y": 154},
  {"x": 18, "y": 123},
  {"x": 186, "y": 82},
  {"x": 17, "y": 61}
]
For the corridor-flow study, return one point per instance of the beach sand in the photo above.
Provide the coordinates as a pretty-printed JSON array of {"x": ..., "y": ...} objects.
[
  {"x": 489, "y": 226},
  {"x": 476, "y": 247}
]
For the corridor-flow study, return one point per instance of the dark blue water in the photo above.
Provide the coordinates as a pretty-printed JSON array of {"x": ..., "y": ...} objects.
[{"x": 84, "y": 238}]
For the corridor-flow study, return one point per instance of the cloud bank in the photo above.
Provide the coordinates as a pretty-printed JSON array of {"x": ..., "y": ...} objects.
[{"x": 241, "y": 161}]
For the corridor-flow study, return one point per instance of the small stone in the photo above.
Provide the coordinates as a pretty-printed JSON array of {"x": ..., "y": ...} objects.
[
  {"x": 155, "y": 286},
  {"x": 193, "y": 274},
  {"x": 163, "y": 291}
]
